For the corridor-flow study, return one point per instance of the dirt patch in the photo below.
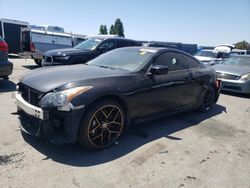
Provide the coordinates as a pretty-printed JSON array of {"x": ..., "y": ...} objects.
[
  {"x": 146, "y": 155},
  {"x": 10, "y": 158},
  {"x": 217, "y": 129}
]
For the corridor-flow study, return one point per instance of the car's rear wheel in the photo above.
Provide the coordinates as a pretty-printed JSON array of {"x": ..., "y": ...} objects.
[
  {"x": 208, "y": 100},
  {"x": 102, "y": 125}
]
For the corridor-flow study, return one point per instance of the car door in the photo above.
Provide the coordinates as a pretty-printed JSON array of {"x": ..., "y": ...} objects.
[
  {"x": 171, "y": 90},
  {"x": 196, "y": 76}
]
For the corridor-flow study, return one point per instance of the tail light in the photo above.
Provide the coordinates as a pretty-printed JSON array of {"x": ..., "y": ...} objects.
[
  {"x": 217, "y": 83},
  {"x": 3, "y": 46},
  {"x": 32, "y": 47}
]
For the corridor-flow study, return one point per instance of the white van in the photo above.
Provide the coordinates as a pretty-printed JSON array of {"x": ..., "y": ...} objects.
[
  {"x": 37, "y": 41},
  {"x": 238, "y": 52}
]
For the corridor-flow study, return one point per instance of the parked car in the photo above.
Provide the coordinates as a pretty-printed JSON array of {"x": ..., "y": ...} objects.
[
  {"x": 210, "y": 57},
  {"x": 85, "y": 51},
  {"x": 6, "y": 67},
  {"x": 95, "y": 102},
  {"x": 235, "y": 74},
  {"x": 214, "y": 56},
  {"x": 189, "y": 48},
  {"x": 238, "y": 52}
]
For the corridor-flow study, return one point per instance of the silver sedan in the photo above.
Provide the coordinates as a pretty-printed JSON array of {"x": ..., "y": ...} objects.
[{"x": 235, "y": 74}]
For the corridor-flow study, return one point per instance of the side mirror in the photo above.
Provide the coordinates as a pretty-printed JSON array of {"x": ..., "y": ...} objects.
[{"x": 159, "y": 69}]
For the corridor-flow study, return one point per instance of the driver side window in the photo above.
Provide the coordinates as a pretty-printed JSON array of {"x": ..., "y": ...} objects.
[
  {"x": 109, "y": 45},
  {"x": 171, "y": 60}
]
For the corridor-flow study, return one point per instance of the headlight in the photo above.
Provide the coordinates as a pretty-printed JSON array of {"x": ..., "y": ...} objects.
[
  {"x": 58, "y": 99},
  {"x": 61, "y": 58},
  {"x": 245, "y": 77}
]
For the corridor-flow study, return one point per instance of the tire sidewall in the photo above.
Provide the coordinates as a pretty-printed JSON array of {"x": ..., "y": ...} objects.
[
  {"x": 203, "y": 107},
  {"x": 83, "y": 129}
]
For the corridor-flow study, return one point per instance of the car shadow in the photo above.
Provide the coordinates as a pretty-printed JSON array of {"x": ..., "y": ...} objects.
[
  {"x": 241, "y": 95},
  {"x": 7, "y": 86},
  {"x": 135, "y": 137},
  {"x": 31, "y": 67}
]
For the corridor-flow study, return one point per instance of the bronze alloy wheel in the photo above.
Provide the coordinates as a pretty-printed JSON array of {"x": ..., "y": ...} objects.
[{"x": 105, "y": 125}]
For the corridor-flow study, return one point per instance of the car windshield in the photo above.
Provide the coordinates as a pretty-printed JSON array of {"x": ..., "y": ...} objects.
[
  {"x": 206, "y": 54},
  {"x": 130, "y": 59},
  {"x": 238, "y": 61},
  {"x": 88, "y": 44}
]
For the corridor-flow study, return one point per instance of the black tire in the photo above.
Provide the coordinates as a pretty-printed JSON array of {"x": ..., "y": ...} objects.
[
  {"x": 38, "y": 62},
  {"x": 102, "y": 125},
  {"x": 208, "y": 100}
]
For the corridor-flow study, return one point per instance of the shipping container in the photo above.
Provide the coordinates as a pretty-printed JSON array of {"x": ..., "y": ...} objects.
[{"x": 10, "y": 30}]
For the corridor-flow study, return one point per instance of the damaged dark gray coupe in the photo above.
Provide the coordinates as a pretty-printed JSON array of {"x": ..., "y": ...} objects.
[{"x": 94, "y": 103}]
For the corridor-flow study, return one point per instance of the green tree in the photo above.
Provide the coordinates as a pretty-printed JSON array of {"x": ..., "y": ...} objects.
[
  {"x": 103, "y": 30},
  {"x": 118, "y": 28},
  {"x": 112, "y": 30},
  {"x": 243, "y": 45}
]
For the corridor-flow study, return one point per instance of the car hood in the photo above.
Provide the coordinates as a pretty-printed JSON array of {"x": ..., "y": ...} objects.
[
  {"x": 203, "y": 58},
  {"x": 66, "y": 51},
  {"x": 49, "y": 78},
  {"x": 232, "y": 69}
]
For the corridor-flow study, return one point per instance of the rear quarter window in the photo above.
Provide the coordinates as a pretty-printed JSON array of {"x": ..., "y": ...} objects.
[
  {"x": 188, "y": 62},
  {"x": 122, "y": 43},
  {"x": 133, "y": 43}
]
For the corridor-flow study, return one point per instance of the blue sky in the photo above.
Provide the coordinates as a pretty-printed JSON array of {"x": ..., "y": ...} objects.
[{"x": 207, "y": 22}]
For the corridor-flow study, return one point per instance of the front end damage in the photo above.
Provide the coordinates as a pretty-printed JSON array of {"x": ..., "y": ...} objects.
[{"x": 56, "y": 125}]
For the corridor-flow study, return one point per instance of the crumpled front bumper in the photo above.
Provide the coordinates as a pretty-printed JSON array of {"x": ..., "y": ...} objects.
[
  {"x": 49, "y": 123},
  {"x": 30, "y": 109}
]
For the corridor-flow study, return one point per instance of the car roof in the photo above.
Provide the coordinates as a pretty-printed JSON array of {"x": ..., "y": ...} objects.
[
  {"x": 120, "y": 38},
  {"x": 156, "y": 49},
  {"x": 145, "y": 47},
  {"x": 102, "y": 37}
]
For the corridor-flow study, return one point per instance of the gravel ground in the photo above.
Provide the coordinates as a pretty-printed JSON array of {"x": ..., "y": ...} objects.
[{"x": 187, "y": 150}]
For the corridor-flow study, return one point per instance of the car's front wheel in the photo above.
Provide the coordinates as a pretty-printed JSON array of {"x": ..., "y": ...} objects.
[{"x": 102, "y": 125}]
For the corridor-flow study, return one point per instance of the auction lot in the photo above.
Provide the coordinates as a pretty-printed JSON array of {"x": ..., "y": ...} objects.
[{"x": 191, "y": 149}]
